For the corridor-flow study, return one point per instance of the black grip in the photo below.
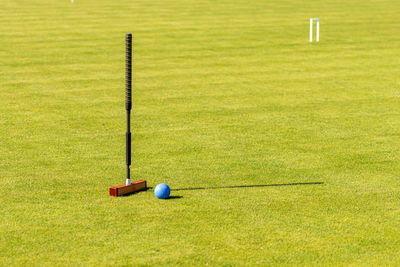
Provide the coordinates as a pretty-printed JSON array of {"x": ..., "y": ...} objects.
[
  {"x": 128, "y": 72},
  {"x": 128, "y": 149}
]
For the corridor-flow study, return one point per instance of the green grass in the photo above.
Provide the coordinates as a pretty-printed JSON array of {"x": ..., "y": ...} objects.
[{"x": 227, "y": 93}]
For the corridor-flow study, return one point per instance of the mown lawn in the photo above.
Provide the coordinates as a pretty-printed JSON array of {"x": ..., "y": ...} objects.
[{"x": 278, "y": 151}]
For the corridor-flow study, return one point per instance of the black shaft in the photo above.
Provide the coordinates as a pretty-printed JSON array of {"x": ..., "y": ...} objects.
[
  {"x": 128, "y": 100},
  {"x": 128, "y": 72}
]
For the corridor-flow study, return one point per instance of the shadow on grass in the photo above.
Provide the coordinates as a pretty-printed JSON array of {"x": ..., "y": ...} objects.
[
  {"x": 175, "y": 197},
  {"x": 137, "y": 192},
  {"x": 244, "y": 186},
  {"x": 147, "y": 189},
  {"x": 225, "y": 187}
]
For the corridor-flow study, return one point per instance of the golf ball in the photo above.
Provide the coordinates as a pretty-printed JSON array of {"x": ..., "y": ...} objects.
[{"x": 162, "y": 191}]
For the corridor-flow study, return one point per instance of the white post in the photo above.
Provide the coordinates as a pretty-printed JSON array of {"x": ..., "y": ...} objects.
[{"x": 311, "y": 29}]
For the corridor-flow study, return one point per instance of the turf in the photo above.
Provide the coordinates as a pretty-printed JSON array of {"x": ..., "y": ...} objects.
[{"x": 278, "y": 151}]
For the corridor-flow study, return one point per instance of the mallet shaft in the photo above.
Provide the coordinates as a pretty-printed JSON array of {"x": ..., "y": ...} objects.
[{"x": 128, "y": 103}]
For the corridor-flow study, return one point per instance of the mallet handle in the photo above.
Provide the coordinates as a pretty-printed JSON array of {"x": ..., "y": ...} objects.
[
  {"x": 128, "y": 100},
  {"x": 128, "y": 72}
]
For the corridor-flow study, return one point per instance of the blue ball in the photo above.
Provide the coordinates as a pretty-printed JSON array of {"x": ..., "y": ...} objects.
[{"x": 162, "y": 191}]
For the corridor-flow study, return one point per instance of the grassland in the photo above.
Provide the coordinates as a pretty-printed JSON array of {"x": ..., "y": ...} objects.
[{"x": 227, "y": 93}]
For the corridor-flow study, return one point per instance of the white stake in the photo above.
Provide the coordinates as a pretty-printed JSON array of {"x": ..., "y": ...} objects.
[{"x": 311, "y": 29}]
